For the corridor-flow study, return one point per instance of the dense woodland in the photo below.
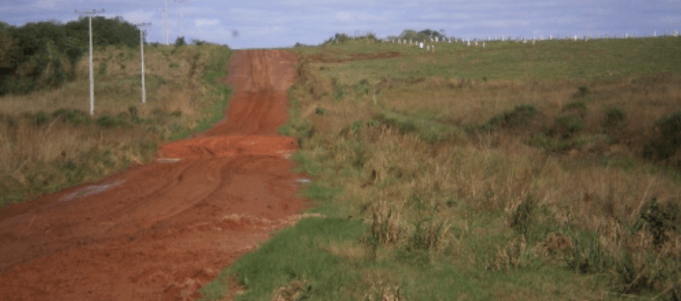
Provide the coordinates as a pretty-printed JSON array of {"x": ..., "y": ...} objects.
[{"x": 43, "y": 54}]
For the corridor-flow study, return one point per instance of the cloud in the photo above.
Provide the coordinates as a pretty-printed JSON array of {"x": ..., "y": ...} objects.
[{"x": 206, "y": 22}]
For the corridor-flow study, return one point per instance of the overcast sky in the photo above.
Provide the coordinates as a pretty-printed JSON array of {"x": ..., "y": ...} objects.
[{"x": 282, "y": 23}]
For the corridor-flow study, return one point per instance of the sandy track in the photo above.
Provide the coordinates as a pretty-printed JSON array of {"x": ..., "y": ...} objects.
[{"x": 161, "y": 231}]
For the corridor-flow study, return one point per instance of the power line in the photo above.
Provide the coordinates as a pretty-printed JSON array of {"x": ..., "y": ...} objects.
[{"x": 92, "y": 79}]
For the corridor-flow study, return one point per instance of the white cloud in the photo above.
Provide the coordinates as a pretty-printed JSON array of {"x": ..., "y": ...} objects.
[{"x": 206, "y": 22}]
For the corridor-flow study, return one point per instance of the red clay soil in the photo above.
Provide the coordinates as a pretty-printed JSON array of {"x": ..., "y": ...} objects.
[{"x": 163, "y": 230}]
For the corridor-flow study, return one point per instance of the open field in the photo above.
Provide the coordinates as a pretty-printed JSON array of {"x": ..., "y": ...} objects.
[
  {"x": 519, "y": 172},
  {"x": 48, "y": 141}
]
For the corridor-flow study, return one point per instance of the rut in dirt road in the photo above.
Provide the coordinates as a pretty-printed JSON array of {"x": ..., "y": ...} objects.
[{"x": 161, "y": 231}]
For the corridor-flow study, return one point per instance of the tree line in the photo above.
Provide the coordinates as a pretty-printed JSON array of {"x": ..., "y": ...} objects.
[
  {"x": 370, "y": 37},
  {"x": 44, "y": 54}
]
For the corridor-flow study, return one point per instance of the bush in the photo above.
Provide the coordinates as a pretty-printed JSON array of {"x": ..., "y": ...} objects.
[
  {"x": 180, "y": 41},
  {"x": 73, "y": 117},
  {"x": 520, "y": 116},
  {"x": 132, "y": 110},
  {"x": 567, "y": 125},
  {"x": 362, "y": 88},
  {"x": 339, "y": 91},
  {"x": 614, "y": 117},
  {"x": 110, "y": 121},
  {"x": 588, "y": 255},
  {"x": 576, "y": 106},
  {"x": 41, "y": 118},
  {"x": 668, "y": 142},
  {"x": 525, "y": 216},
  {"x": 658, "y": 220},
  {"x": 582, "y": 91}
]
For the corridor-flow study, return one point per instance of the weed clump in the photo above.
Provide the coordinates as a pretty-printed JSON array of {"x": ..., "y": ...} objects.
[
  {"x": 614, "y": 117},
  {"x": 73, "y": 117},
  {"x": 339, "y": 91},
  {"x": 659, "y": 220},
  {"x": 578, "y": 107},
  {"x": 525, "y": 216},
  {"x": 582, "y": 91},
  {"x": 668, "y": 142},
  {"x": 111, "y": 121},
  {"x": 362, "y": 88},
  {"x": 520, "y": 116},
  {"x": 567, "y": 125},
  {"x": 41, "y": 118}
]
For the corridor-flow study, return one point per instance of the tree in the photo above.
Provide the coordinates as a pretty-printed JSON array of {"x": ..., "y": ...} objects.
[{"x": 180, "y": 41}]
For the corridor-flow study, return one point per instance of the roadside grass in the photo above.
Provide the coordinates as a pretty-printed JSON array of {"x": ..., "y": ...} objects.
[
  {"x": 48, "y": 140},
  {"x": 531, "y": 183}
]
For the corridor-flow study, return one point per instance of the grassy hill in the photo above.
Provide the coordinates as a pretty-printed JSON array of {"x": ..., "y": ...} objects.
[
  {"x": 517, "y": 172},
  {"x": 48, "y": 140}
]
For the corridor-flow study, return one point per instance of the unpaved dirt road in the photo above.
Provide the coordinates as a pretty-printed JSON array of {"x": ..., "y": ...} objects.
[{"x": 161, "y": 231}]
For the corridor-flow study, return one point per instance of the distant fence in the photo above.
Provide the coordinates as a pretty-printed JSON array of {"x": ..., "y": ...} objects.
[{"x": 482, "y": 41}]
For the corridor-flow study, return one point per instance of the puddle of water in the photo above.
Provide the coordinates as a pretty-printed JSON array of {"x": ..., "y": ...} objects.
[
  {"x": 90, "y": 190},
  {"x": 168, "y": 160}
]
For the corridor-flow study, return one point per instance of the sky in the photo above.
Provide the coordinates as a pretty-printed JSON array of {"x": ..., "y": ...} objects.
[{"x": 283, "y": 23}]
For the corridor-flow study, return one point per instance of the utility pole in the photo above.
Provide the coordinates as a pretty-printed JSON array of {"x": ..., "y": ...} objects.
[
  {"x": 181, "y": 16},
  {"x": 166, "y": 23},
  {"x": 92, "y": 79},
  {"x": 144, "y": 89}
]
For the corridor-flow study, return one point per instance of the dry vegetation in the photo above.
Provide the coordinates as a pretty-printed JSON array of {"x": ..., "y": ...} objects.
[
  {"x": 483, "y": 188},
  {"x": 48, "y": 140}
]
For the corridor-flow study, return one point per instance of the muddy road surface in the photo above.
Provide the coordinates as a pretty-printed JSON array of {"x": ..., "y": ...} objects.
[{"x": 161, "y": 231}]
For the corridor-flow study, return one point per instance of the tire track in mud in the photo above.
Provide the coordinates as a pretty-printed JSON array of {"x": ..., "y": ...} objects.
[{"x": 161, "y": 231}]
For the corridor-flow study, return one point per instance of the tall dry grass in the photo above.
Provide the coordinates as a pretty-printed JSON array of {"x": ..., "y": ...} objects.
[
  {"x": 581, "y": 213},
  {"x": 42, "y": 152}
]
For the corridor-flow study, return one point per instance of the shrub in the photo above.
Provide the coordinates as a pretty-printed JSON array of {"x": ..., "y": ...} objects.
[
  {"x": 320, "y": 111},
  {"x": 524, "y": 216},
  {"x": 614, "y": 117},
  {"x": 180, "y": 41},
  {"x": 73, "y": 117},
  {"x": 356, "y": 126},
  {"x": 658, "y": 220},
  {"x": 566, "y": 125},
  {"x": 110, "y": 121},
  {"x": 176, "y": 113},
  {"x": 588, "y": 255},
  {"x": 362, "y": 88},
  {"x": 576, "y": 106},
  {"x": 132, "y": 110},
  {"x": 520, "y": 116},
  {"x": 339, "y": 91},
  {"x": 668, "y": 142},
  {"x": 41, "y": 118},
  {"x": 582, "y": 91}
]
